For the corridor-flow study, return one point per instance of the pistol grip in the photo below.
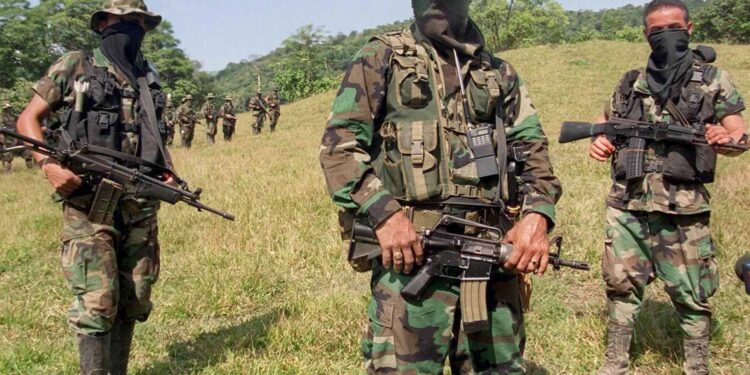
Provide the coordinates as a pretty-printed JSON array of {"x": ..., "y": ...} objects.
[{"x": 419, "y": 283}]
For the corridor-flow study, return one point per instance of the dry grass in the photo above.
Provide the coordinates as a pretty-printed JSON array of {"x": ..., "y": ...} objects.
[{"x": 271, "y": 294}]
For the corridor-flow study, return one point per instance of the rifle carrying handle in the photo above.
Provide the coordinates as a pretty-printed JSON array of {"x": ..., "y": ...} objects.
[{"x": 418, "y": 284}]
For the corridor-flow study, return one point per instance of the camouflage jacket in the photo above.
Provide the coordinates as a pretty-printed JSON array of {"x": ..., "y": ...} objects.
[
  {"x": 7, "y": 121},
  {"x": 256, "y": 105},
  {"x": 170, "y": 116},
  {"x": 273, "y": 102},
  {"x": 227, "y": 111},
  {"x": 209, "y": 109},
  {"x": 392, "y": 137},
  {"x": 186, "y": 114},
  {"x": 652, "y": 193}
]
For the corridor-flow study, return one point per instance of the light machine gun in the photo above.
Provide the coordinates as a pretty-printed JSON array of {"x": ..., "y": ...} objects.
[
  {"x": 471, "y": 260},
  {"x": 94, "y": 160}
]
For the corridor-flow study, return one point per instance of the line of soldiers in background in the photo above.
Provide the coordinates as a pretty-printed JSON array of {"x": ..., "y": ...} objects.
[
  {"x": 186, "y": 118},
  {"x": 8, "y": 120}
]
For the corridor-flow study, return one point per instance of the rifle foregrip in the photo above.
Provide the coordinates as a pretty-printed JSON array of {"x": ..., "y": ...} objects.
[{"x": 417, "y": 285}]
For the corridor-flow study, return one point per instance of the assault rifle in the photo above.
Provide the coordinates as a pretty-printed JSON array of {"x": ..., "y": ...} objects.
[
  {"x": 449, "y": 255},
  {"x": 742, "y": 269},
  {"x": 93, "y": 160},
  {"x": 634, "y": 135}
]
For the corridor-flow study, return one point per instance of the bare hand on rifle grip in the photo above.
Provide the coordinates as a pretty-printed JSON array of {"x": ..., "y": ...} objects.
[
  {"x": 400, "y": 243},
  {"x": 601, "y": 149},
  {"x": 62, "y": 180}
]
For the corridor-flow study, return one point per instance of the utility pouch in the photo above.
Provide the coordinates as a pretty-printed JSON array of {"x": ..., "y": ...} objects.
[
  {"x": 107, "y": 196},
  {"x": 418, "y": 146},
  {"x": 413, "y": 82},
  {"x": 483, "y": 92}
]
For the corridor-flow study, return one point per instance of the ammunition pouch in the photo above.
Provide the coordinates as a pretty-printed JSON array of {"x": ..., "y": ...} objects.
[{"x": 690, "y": 164}]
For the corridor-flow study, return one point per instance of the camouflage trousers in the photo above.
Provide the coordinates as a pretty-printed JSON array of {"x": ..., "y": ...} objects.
[
  {"x": 274, "y": 119},
  {"x": 211, "y": 128},
  {"x": 110, "y": 269},
  {"x": 187, "y": 132},
  {"x": 228, "y": 126},
  {"x": 258, "y": 119},
  {"x": 677, "y": 249},
  {"x": 416, "y": 337}
]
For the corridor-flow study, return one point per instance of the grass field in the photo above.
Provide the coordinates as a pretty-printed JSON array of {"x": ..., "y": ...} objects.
[{"x": 272, "y": 294}]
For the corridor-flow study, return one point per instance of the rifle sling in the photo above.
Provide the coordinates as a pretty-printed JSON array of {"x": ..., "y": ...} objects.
[
  {"x": 502, "y": 154},
  {"x": 151, "y": 136}
]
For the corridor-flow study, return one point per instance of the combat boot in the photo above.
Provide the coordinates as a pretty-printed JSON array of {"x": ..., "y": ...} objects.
[
  {"x": 617, "y": 357},
  {"x": 696, "y": 355},
  {"x": 122, "y": 338},
  {"x": 93, "y": 352}
]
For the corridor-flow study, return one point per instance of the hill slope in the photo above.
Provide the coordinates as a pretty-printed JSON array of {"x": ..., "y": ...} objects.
[{"x": 271, "y": 293}]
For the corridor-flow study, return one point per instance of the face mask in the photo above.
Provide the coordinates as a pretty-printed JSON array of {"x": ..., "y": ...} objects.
[
  {"x": 670, "y": 62},
  {"x": 121, "y": 43},
  {"x": 125, "y": 36},
  {"x": 442, "y": 17}
]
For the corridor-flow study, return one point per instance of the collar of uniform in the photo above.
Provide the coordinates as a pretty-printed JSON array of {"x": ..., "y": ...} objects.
[{"x": 641, "y": 84}]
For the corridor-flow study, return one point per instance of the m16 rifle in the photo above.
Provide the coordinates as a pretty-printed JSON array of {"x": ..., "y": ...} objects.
[
  {"x": 635, "y": 134},
  {"x": 94, "y": 160},
  {"x": 469, "y": 259}
]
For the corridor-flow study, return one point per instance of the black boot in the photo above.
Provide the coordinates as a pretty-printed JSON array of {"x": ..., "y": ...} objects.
[
  {"x": 696, "y": 355},
  {"x": 94, "y": 354},
  {"x": 122, "y": 338}
]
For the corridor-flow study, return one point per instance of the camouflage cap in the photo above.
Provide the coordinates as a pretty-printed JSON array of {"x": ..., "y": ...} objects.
[
  {"x": 6, "y": 105},
  {"x": 189, "y": 97},
  {"x": 210, "y": 96},
  {"x": 228, "y": 98},
  {"x": 123, "y": 7}
]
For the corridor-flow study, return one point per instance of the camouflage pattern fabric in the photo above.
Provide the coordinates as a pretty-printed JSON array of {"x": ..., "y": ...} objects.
[
  {"x": 7, "y": 121},
  {"x": 110, "y": 269},
  {"x": 397, "y": 130},
  {"x": 255, "y": 104},
  {"x": 170, "y": 118},
  {"x": 405, "y": 337},
  {"x": 677, "y": 249},
  {"x": 651, "y": 193},
  {"x": 229, "y": 120},
  {"x": 274, "y": 107},
  {"x": 186, "y": 118},
  {"x": 210, "y": 114}
]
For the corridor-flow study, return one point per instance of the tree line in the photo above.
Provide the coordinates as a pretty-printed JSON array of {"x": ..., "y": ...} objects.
[{"x": 311, "y": 61}]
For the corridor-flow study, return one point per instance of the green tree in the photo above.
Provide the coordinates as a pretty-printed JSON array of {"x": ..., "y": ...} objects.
[
  {"x": 304, "y": 70},
  {"x": 724, "y": 21},
  {"x": 520, "y": 23}
]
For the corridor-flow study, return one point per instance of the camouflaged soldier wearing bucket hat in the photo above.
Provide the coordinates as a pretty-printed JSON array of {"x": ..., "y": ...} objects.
[
  {"x": 210, "y": 113},
  {"x": 110, "y": 262}
]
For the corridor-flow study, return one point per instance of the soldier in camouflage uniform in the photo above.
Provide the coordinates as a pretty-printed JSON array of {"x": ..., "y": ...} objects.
[
  {"x": 274, "y": 108},
  {"x": 395, "y": 157},
  {"x": 657, "y": 225},
  {"x": 257, "y": 105},
  {"x": 210, "y": 114},
  {"x": 228, "y": 117},
  {"x": 110, "y": 263},
  {"x": 170, "y": 118},
  {"x": 187, "y": 120}
]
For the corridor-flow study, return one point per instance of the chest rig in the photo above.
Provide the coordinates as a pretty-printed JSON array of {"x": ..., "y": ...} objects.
[
  {"x": 679, "y": 164},
  {"x": 106, "y": 115},
  {"x": 428, "y": 151}
]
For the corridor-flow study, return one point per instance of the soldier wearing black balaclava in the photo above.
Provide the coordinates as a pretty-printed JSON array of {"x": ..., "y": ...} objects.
[
  {"x": 111, "y": 98},
  {"x": 396, "y": 158},
  {"x": 657, "y": 224}
]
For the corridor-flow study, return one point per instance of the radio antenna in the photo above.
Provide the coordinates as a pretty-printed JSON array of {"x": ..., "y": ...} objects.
[{"x": 464, "y": 100}]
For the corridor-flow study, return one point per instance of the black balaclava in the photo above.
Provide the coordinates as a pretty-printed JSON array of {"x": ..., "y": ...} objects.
[
  {"x": 670, "y": 64},
  {"x": 447, "y": 23},
  {"x": 121, "y": 44}
]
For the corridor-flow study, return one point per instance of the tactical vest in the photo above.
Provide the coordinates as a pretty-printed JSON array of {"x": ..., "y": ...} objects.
[
  {"x": 424, "y": 155},
  {"x": 678, "y": 163},
  {"x": 110, "y": 117}
]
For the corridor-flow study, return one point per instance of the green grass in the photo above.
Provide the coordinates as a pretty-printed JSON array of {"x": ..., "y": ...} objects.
[{"x": 272, "y": 294}]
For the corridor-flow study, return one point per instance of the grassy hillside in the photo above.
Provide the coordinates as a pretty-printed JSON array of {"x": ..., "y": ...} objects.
[{"x": 272, "y": 294}]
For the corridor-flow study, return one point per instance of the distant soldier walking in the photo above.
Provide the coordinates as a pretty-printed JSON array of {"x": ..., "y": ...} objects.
[
  {"x": 211, "y": 115},
  {"x": 259, "y": 108},
  {"x": 170, "y": 118},
  {"x": 110, "y": 246},
  {"x": 228, "y": 117},
  {"x": 274, "y": 108},
  {"x": 186, "y": 117},
  {"x": 657, "y": 222},
  {"x": 8, "y": 121}
]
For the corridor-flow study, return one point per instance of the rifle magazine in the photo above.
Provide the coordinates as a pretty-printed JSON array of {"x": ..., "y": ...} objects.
[{"x": 108, "y": 195}]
